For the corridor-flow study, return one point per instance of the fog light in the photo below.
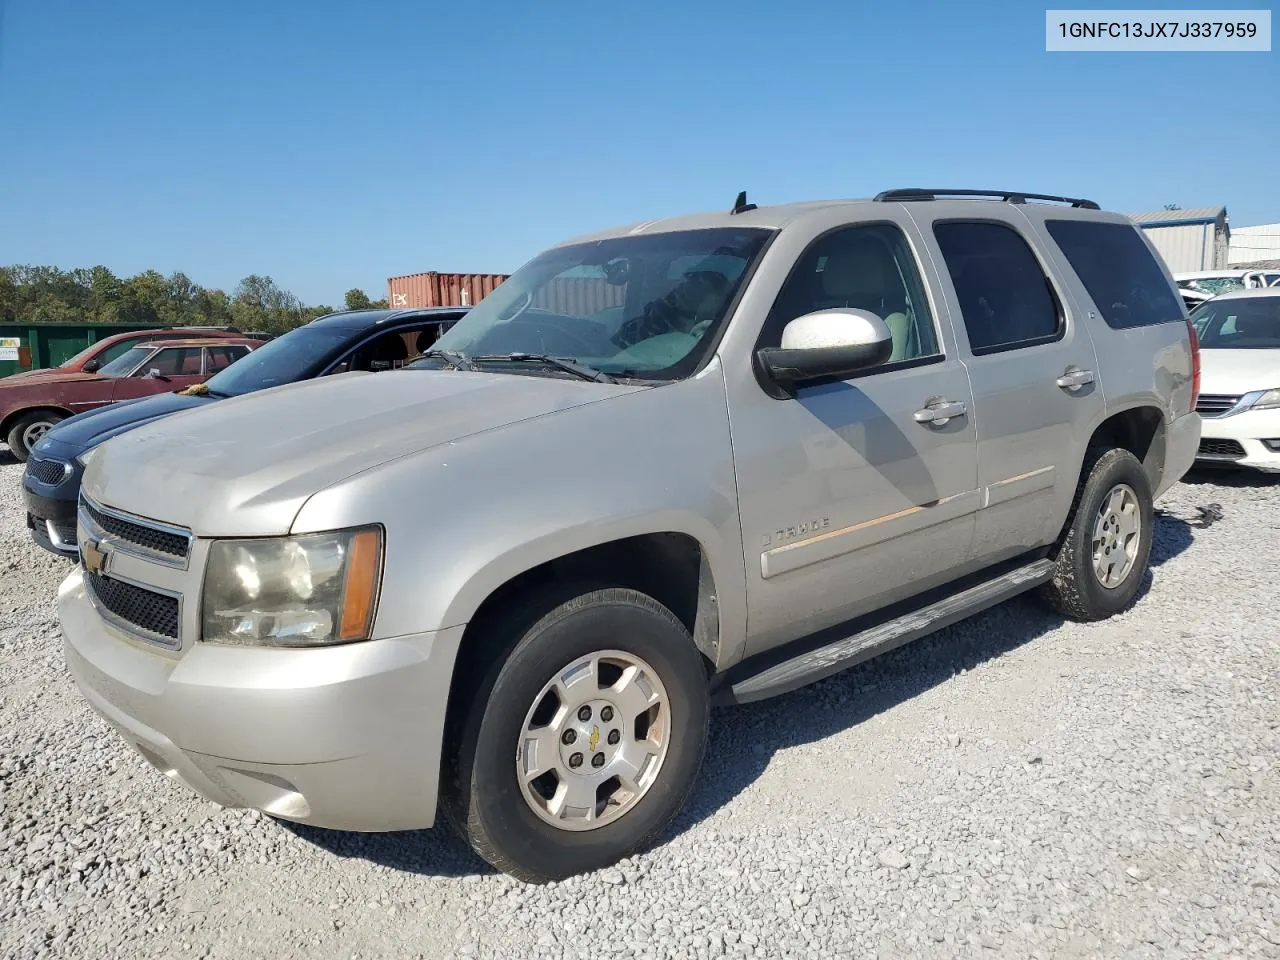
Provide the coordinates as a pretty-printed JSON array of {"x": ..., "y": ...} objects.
[{"x": 1272, "y": 445}]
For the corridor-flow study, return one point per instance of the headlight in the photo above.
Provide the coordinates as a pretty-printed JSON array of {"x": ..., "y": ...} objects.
[
  {"x": 309, "y": 590},
  {"x": 1267, "y": 400},
  {"x": 84, "y": 458}
]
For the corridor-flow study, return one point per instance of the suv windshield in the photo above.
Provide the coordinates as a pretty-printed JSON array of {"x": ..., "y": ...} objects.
[
  {"x": 125, "y": 364},
  {"x": 285, "y": 359},
  {"x": 1248, "y": 323},
  {"x": 646, "y": 307}
]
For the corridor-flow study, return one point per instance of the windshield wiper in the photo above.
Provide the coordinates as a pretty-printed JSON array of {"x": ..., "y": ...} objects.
[
  {"x": 459, "y": 361},
  {"x": 568, "y": 366}
]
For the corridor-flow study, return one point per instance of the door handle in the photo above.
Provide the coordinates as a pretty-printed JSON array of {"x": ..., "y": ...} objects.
[
  {"x": 1074, "y": 379},
  {"x": 941, "y": 411}
]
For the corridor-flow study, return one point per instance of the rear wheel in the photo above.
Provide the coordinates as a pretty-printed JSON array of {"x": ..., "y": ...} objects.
[
  {"x": 30, "y": 430},
  {"x": 581, "y": 744},
  {"x": 1103, "y": 555}
]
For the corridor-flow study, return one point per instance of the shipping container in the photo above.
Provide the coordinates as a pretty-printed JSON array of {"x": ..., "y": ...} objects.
[
  {"x": 441, "y": 289},
  {"x": 39, "y": 346}
]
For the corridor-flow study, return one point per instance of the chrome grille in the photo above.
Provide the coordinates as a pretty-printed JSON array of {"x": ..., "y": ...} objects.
[
  {"x": 1220, "y": 449},
  {"x": 1215, "y": 404},
  {"x": 148, "y": 538},
  {"x": 47, "y": 471},
  {"x": 140, "y": 609}
]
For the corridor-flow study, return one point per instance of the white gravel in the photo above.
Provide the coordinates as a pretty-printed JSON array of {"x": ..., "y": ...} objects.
[{"x": 1014, "y": 786}]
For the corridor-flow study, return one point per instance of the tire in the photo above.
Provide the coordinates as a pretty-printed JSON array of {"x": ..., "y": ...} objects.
[
  {"x": 1078, "y": 589},
  {"x": 26, "y": 432},
  {"x": 493, "y": 712}
]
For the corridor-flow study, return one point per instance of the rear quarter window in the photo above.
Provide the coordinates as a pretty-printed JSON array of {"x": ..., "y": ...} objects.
[{"x": 1118, "y": 271}]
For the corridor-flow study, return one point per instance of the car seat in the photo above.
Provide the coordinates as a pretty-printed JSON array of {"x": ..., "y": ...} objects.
[{"x": 862, "y": 275}]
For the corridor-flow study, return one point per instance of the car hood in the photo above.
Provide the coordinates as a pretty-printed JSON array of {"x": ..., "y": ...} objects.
[
  {"x": 246, "y": 465},
  {"x": 1237, "y": 372},
  {"x": 87, "y": 430},
  {"x": 30, "y": 378}
]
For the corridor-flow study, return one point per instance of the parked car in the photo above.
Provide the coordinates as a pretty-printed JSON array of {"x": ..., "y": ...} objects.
[
  {"x": 1240, "y": 336},
  {"x": 1214, "y": 282},
  {"x": 351, "y": 340},
  {"x": 704, "y": 459},
  {"x": 92, "y": 357},
  {"x": 31, "y": 405}
]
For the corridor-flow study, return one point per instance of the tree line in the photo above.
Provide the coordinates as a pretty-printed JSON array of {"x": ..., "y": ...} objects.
[{"x": 38, "y": 294}]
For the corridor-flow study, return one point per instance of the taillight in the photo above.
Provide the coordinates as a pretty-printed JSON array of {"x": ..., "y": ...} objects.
[{"x": 1195, "y": 364}]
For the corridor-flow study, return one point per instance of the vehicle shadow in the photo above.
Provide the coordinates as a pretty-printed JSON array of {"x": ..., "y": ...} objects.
[
  {"x": 744, "y": 738},
  {"x": 1225, "y": 477},
  {"x": 7, "y": 459}
]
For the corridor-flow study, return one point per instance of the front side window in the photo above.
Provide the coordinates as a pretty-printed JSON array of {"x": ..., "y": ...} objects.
[
  {"x": 868, "y": 267},
  {"x": 1117, "y": 269},
  {"x": 1251, "y": 323},
  {"x": 1005, "y": 298},
  {"x": 646, "y": 307}
]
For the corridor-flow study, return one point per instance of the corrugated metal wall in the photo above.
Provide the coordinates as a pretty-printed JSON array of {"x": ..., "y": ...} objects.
[
  {"x": 579, "y": 296},
  {"x": 1187, "y": 247},
  {"x": 441, "y": 289},
  {"x": 1251, "y": 244}
]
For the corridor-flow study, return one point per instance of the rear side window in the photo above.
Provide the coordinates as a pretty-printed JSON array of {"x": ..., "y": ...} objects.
[
  {"x": 1116, "y": 267},
  {"x": 219, "y": 358},
  {"x": 1005, "y": 298}
]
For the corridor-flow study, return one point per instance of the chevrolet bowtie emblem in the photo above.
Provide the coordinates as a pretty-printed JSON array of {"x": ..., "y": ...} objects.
[{"x": 94, "y": 554}]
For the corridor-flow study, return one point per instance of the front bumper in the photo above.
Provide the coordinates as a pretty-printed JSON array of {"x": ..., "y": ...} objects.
[
  {"x": 1239, "y": 440},
  {"x": 51, "y": 507},
  {"x": 345, "y": 737}
]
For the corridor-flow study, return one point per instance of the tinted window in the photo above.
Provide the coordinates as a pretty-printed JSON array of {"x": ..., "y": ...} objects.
[
  {"x": 866, "y": 268},
  {"x": 1116, "y": 267},
  {"x": 1005, "y": 298},
  {"x": 1251, "y": 323}
]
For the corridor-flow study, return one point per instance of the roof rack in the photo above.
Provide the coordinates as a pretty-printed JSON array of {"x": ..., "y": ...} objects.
[{"x": 1008, "y": 196}]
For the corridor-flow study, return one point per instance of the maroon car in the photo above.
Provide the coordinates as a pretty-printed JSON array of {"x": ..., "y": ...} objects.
[
  {"x": 33, "y": 402},
  {"x": 108, "y": 348}
]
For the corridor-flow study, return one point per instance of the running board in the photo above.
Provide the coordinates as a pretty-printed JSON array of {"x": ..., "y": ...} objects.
[{"x": 841, "y": 654}]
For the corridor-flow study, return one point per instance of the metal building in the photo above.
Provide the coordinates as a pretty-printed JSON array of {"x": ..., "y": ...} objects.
[
  {"x": 1250, "y": 245},
  {"x": 1188, "y": 239}
]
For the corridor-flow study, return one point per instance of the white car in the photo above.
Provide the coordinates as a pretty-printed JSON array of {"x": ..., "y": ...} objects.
[
  {"x": 1240, "y": 379},
  {"x": 1214, "y": 282}
]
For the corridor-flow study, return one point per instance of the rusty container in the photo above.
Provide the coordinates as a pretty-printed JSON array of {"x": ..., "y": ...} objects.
[{"x": 441, "y": 289}]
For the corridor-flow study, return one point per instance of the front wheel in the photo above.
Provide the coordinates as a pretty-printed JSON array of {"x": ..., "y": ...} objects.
[
  {"x": 1103, "y": 555},
  {"x": 30, "y": 430},
  {"x": 581, "y": 746}
]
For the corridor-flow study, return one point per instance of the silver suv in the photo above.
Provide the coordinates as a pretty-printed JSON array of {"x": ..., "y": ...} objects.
[{"x": 696, "y": 460}]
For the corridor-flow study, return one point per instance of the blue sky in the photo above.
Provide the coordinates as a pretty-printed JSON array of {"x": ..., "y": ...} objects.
[{"x": 332, "y": 144}]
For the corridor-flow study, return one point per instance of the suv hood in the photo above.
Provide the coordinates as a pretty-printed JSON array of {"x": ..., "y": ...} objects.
[
  {"x": 1236, "y": 372},
  {"x": 245, "y": 466}
]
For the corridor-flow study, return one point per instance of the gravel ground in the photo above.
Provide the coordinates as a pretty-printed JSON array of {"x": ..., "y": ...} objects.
[{"x": 1014, "y": 786}]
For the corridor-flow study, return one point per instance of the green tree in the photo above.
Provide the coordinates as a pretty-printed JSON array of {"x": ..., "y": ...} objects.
[{"x": 357, "y": 299}]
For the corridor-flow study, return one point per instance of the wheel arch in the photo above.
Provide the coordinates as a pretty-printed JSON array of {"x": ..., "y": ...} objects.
[
  {"x": 1142, "y": 430},
  {"x": 671, "y": 565},
  {"x": 14, "y": 416}
]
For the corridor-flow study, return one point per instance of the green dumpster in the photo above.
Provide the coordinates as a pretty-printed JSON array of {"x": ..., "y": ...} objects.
[{"x": 38, "y": 346}]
